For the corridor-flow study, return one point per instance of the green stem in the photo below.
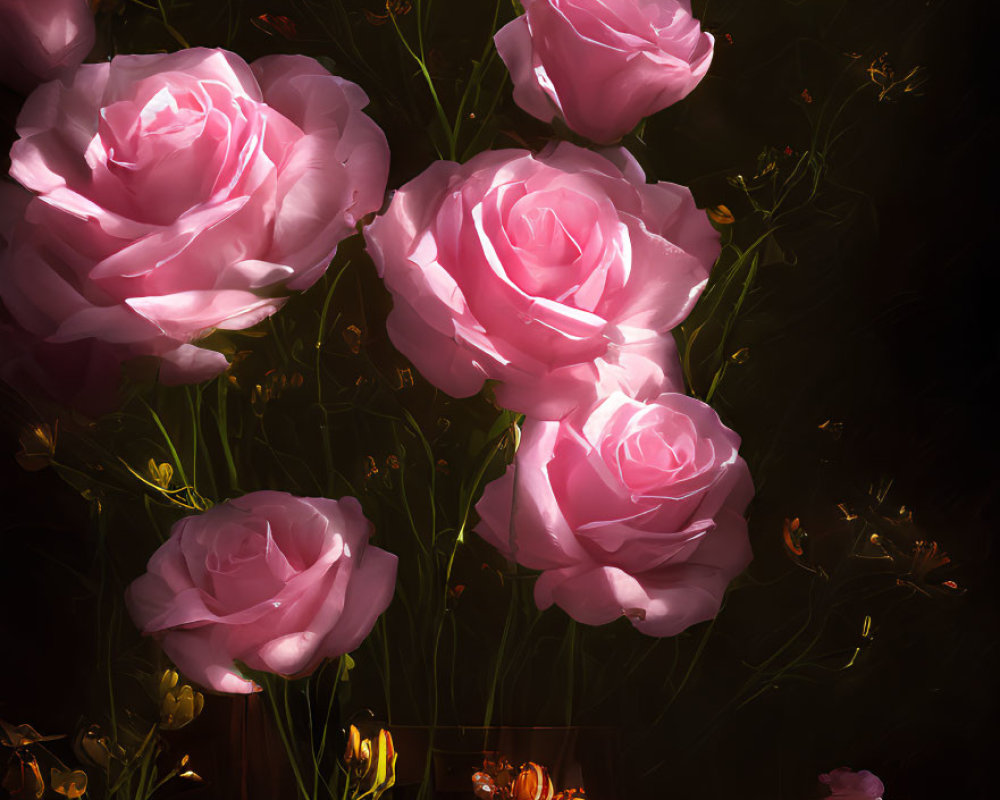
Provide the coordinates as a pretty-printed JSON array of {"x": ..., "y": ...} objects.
[
  {"x": 221, "y": 419},
  {"x": 727, "y": 328},
  {"x": 292, "y": 758},
  {"x": 690, "y": 670},
  {"x": 419, "y": 58},
  {"x": 570, "y": 671},
  {"x": 197, "y": 436},
  {"x": 170, "y": 28},
  {"x": 341, "y": 664},
  {"x": 490, "y": 698},
  {"x": 170, "y": 444},
  {"x": 146, "y": 774},
  {"x": 130, "y": 769},
  {"x": 386, "y": 682}
]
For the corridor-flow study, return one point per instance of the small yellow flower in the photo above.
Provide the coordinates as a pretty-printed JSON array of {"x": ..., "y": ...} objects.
[
  {"x": 161, "y": 474},
  {"x": 38, "y": 446},
  {"x": 372, "y": 763},
  {"x": 353, "y": 752},
  {"x": 72, "y": 783},
  {"x": 179, "y": 705}
]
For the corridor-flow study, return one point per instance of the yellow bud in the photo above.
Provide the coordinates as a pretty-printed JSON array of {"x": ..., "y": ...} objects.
[
  {"x": 353, "y": 752},
  {"x": 72, "y": 783},
  {"x": 168, "y": 681},
  {"x": 161, "y": 474},
  {"x": 179, "y": 707},
  {"x": 38, "y": 446},
  {"x": 721, "y": 215}
]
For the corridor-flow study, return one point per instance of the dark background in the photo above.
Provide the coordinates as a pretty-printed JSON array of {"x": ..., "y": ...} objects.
[{"x": 885, "y": 323}]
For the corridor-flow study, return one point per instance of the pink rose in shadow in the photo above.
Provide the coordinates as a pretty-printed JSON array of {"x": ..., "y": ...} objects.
[
  {"x": 558, "y": 275},
  {"x": 42, "y": 39},
  {"x": 275, "y": 581},
  {"x": 634, "y": 509},
  {"x": 180, "y": 193},
  {"x": 603, "y": 65},
  {"x": 845, "y": 784},
  {"x": 83, "y": 375}
]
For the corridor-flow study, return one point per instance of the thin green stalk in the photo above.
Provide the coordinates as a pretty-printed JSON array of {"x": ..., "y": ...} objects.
[
  {"x": 432, "y": 467},
  {"x": 130, "y": 770},
  {"x": 690, "y": 670},
  {"x": 321, "y": 333},
  {"x": 146, "y": 773},
  {"x": 403, "y": 495},
  {"x": 222, "y": 421},
  {"x": 341, "y": 663},
  {"x": 459, "y": 539},
  {"x": 727, "y": 328},
  {"x": 570, "y": 671},
  {"x": 198, "y": 437},
  {"x": 170, "y": 28},
  {"x": 386, "y": 680},
  {"x": 491, "y": 696},
  {"x": 110, "y": 680},
  {"x": 276, "y": 337},
  {"x": 292, "y": 758},
  {"x": 419, "y": 58},
  {"x": 474, "y": 80},
  {"x": 170, "y": 444},
  {"x": 312, "y": 737}
]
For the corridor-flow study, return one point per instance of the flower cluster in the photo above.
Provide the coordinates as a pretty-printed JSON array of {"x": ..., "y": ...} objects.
[
  {"x": 166, "y": 196},
  {"x": 558, "y": 276}
]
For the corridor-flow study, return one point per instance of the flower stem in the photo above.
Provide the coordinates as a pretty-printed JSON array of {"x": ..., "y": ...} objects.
[
  {"x": 285, "y": 740},
  {"x": 221, "y": 419},
  {"x": 490, "y": 698}
]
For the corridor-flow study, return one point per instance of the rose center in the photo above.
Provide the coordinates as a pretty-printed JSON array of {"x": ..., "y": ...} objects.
[
  {"x": 556, "y": 242},
  {"x": 653, "y": 457}
]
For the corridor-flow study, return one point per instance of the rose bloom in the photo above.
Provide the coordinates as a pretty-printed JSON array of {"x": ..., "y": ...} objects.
[
  {"x": 603, "y": 65},
  {"x": 557, "y": 274},
  {"x": 634, "y": 509},
  {"x": 179, "y": 193},
  {"x": 278, "y": 582},
  {"x": 42, "y": 39},
  {"x": 82, "y": 375},
  {"x": 845, "y": 784}
]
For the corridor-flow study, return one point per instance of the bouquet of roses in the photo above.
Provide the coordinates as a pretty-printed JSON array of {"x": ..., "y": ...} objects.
[{"x": 300, "y": 309}]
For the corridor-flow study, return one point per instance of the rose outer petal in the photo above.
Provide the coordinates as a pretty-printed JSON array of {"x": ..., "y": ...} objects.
[
  {"x": 660, "y": 602},
  {"x": 43, "y": 39}
]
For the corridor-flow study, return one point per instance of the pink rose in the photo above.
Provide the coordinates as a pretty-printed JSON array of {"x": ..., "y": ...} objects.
[
  {"x": 635, "y": 509},
  {"x": 179, "y": 193},
  {"x": 82, "y": 375},
  {"x": 275, "y": 581},
  {"x": 845, "y": 784},
  {"x": 42, "y": 39},
  {"x": 603, "y": 65},
  {"x": 557, "y": 274}
]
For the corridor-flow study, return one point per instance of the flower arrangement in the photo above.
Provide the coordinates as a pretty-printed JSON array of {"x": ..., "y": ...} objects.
[{"x": 296, "y": 300}]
